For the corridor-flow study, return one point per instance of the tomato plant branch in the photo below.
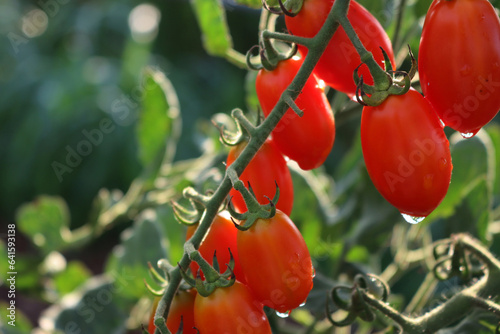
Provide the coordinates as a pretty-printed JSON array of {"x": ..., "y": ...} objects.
[
  {"x": 381, "y": 80},
  {"x": 457, "y": 307},
  {"x": 339, "y": 9}
]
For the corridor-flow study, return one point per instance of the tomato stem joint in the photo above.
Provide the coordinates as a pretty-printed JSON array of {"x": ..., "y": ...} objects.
[
  {"x": 213, "y": 277},
  {"x": 399, "y": 83}
]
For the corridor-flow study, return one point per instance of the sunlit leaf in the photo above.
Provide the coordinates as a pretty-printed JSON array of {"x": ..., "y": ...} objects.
[
  {"x": 215, "y": 31},
  {"x": 159, "y": 121},
  {"x": 140, "y": 244},
  {"x": 45, "y": 221},
  {"x": 71, "y": 278}
]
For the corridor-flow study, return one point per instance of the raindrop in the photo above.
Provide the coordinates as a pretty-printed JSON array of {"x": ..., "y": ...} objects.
[
  {"x": 412, "y": 219},
  {"x": 468, "y": 135},
  {"x": 284, "y": 314}
]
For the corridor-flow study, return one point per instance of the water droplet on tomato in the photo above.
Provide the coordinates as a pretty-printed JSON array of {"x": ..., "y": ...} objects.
[
  {"x": 412, "y": 219},
  {"x": 302, "y": 304},
  {"x": 443, "y": 162},
  {"x": 469, "y": 134},
  {"x": 284, "y": 314}
]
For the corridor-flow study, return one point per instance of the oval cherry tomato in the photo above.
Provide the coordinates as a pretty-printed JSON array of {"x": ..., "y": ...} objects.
[
  {"x": 277, "y": 264},
  {"x": 182, "y": 306},
  {"x": 406, "y": 153},
  {"x": 220, "y": 237},
  {"x": 459, "y": 63},
  {"x": 230, "y": 310},
  {"x": 266, "y": 167},
  {"x": 308, "y": 139},
  {"x": 340, "y": 59}
]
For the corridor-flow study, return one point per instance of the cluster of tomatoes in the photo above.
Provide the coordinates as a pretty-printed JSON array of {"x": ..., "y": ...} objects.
[
  {"x": 276, "y": 271},
  {"x": 405, "y": 149}
]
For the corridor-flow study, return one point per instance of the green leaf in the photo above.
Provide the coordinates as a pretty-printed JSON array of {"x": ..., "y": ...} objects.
[
  {"x": 96, "y": 308},
  {"x": 140, "y": 244},
  {"x": 317, "y": 297},
  {"x": 158, "y": 127},
  {"x": 421, "y": 7},
  {"x": 472, "y": 162},
  {"x": 71, "y": 278},
  {"x": 175, "y": 232},
  {"x": 45, "y": 221},
  {"x": 211, "y": 17},
  {"x": 494, "y": 132},
  {"x": 14, "y": 321}
]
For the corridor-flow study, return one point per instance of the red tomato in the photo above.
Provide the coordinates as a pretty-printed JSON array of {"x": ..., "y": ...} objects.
[
  {"x": 231, "y": 310},
  {"x": 266, "y": 167},
  {"x": 406, "y": 153},
  {"x": 459, "y": 63},
  {"x": 277, "y": 264},
  {"x": 220, "y": 237},
  {"x": 182, "y": 306},
  {"x": 308, "y": 139},
  {"x": 340, "y": 58}
]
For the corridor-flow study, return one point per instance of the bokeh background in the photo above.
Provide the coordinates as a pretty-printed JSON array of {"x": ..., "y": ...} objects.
[{"x": 65, "y": 66}]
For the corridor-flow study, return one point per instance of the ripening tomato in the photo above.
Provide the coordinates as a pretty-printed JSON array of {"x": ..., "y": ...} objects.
[
  {"x": 277, "y": 263},
  {"x": 220, "y": 238},
  {"x": 308, "y": 139},
  {"x": 406, "y": 153},
  {"x": 230, "y": 310},
  {"x": 459, "y": 63},
  {"x": 266, "y": 167},
  {"x": 182, "y": 306},
  {"x": 340, "y": 59}
]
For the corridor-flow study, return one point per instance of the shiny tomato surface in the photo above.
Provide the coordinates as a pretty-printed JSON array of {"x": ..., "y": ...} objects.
[
  {"x": 406, "y": 153},
  {"x": 231, "y": 310},
  {"x": 308, "y": 139},
  {"x": 277, "y": 263},
  {"x": 182, "y": 306},
  {"x": 459, "y": 63},
  {"x": 340, "y": 59}
]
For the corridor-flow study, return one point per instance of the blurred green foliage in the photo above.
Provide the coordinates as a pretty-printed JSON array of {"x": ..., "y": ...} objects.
[{"x": 87, "y": 102}]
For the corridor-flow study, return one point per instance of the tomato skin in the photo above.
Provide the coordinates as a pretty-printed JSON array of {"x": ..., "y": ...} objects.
[
  {"x": 459, "y": 62},
  {"x": 182, "y": 306},
  {"x": 220, "y": 237},
  {"x": 308, "y": 139},
  {"x": 266, "y": 167},
  {"x": 232, "y": 310},
  {"x": 406, "y": 153},
  {"x": 277, "y": 263},
  {"x": 340, "y": 59}
]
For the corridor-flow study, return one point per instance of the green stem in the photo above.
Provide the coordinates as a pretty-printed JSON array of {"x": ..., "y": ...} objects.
[
  {"x": 457, "y": 307},
  {"x": 381, "y": 81},
  {"x": 236, "y": 58},
  {"x": 399, "y": 21},
  {"x": 339, "y": 10}
]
